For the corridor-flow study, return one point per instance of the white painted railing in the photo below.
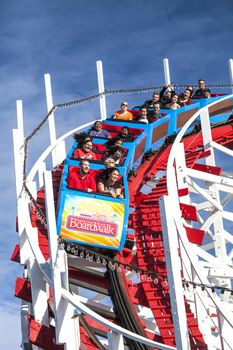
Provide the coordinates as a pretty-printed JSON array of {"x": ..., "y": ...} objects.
[
  {"x": 47, "y": 271},
  {"x": 37, "y": 166},
  {"x": 112, "y": 326},
  {"x": 53, "y": 274},
  {"x": 178, "y": 174}
]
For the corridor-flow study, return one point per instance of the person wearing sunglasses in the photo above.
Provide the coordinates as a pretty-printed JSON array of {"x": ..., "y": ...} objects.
[{"x": 123, "y": 114}]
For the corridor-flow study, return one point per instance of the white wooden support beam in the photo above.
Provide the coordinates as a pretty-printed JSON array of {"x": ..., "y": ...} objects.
[
  {"x": 67, "y": 327},
  {"x": 202, "y": 303},
  {"x": 207, "y": 136},
  {"x": 180, "y": 164},
  {"x": 41, "y": 171},
  {"x": 59, "y": 152},
  {"x": 24, "y": 312},
  {"x": 32, "y": 186},
  {"x": 216, "y": 219},
  {"x": 170, "y": 239},
  {"x": 49, "y": 99},
  {"x": 19, "y": 108},
  {"x": 18, "y": 158},
  {"x": 39, "y": 293},
  {"x": 100, "y": 77},
  {"x": 82, "y": 308},
  {"x": 22, "y": 200},
  {"x": 115, "y": 341},
  {"x": 225, "y": 271},
  {"x": 220, "y": 244},
  {"x": 18, "y": 140},
  {"x": 230, "y": 64},
  {"x": 166, "y": 71},
  {"x": 215, "y": 179},
  {"x": 222, "y": 148},
  {"x": 226, "y": 333},
  {"x": 204, "y": 194}
]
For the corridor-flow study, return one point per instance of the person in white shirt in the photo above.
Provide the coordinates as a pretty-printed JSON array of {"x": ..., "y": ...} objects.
[{"x": 143, "y": 116}]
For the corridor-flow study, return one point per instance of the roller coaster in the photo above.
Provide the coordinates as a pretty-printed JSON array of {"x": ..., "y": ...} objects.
[{"x": 152, "y": 270}]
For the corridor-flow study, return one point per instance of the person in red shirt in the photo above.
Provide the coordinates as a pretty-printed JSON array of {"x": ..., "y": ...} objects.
[
  {"x": 82, "y": 179},
  {"x": 85, "y": 152}
]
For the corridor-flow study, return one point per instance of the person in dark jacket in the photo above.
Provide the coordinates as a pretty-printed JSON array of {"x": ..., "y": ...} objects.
[
  {"x": 199, "y": 93},
  {"x": 155, "y": 114},
  {"x": 149, "y": 103}
]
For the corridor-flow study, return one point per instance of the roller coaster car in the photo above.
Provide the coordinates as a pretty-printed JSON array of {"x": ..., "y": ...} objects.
[
  {"x": 100, "y": 220},
  {"x": 92, "y": 219},
  {"x": 133, "y": 149}
]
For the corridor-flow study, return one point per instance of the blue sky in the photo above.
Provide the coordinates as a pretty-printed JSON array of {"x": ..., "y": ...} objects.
[{"x": 65, "y": 38}]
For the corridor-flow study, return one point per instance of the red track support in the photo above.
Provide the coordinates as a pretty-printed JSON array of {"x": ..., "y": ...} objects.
[
  {"x": 150, "y": 253},
  {"x": 42, "y": 336},
  {"x": 23, "y": 289}
]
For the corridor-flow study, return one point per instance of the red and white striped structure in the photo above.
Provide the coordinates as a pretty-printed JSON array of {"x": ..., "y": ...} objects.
[{"x": 191, "y": 199}]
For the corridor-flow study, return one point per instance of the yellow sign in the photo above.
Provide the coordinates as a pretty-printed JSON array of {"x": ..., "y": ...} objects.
[{"x": 92, "y": 221}]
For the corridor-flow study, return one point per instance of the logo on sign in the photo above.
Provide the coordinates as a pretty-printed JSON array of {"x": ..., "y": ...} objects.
[{"x": 77, "y": 223}]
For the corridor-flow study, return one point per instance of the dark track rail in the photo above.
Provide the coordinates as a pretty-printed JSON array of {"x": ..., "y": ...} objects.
[{"x": 125, "y": 311}]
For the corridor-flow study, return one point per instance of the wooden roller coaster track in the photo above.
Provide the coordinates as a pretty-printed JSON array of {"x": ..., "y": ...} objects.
[{"x": 127, "y": 294}]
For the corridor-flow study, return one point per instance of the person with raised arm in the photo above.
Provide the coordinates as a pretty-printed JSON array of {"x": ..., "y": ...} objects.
[
  {"x": 185, "y": 99},
  {"x": 81, "y": 137},
  {"x": 166, "y": 99},
  {"x": 149, "y": 103}
]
